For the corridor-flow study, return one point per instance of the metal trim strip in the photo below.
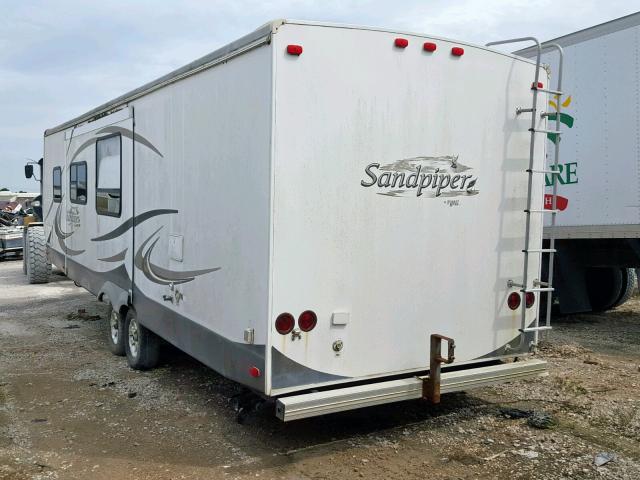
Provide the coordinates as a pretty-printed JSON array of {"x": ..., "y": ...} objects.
[
  {"x": 612, "y": 26},
  {"x": 593, "y": 231},
  {"x": 312, "y": 404}
]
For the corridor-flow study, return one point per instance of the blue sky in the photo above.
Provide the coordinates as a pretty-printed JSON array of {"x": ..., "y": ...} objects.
[{"x": 60, "y": 58}]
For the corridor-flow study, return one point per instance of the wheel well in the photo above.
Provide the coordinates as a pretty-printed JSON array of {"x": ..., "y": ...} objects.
[{"x": 123, "y": 310}]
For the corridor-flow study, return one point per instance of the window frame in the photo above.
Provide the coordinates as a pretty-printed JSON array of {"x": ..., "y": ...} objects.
[
  {"x": 86, "y": 176},
  {"x": 57, "y": 199},
  {"x": 108, "y": 214}
]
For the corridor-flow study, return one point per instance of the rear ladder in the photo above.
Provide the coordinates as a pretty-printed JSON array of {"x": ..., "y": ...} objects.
[{"x": 539, "y": 286}]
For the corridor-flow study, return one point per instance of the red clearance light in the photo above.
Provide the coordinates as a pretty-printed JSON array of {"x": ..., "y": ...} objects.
[
  {"x": 429, "y": 47},
  {"x": 457, "y": 51},
  {"x": 307, "y": 321},
  {"x": 294, "y": 49},
  {"x": 540, "y": 85},
  {"x": 401, "y": 42},
  {"x": 254, "y": 372},
  {"x": 285, "y": 323},
  {"x": 529, "y": 299},
  {"x": 513, "y": 300}
]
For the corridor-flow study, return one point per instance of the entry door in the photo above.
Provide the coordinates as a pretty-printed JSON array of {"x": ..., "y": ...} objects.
[
  {"x": 98, "y": 198},
  {"x": 114, "y": 197}
]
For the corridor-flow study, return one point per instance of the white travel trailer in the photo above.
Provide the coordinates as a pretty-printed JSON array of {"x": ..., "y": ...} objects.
[
  {"x": 598, "y": 230},
  {"x": 310, "y": 211}
]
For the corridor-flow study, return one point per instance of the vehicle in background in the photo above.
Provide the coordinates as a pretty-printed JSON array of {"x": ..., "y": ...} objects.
[
  {"x": 10, "y": 242},
  {"x": 16, "y": 210},
  {"x": 598, "y": 229}
]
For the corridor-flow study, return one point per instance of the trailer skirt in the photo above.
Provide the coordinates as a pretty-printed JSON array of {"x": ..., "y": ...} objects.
[{"x": 296, "y": 407}]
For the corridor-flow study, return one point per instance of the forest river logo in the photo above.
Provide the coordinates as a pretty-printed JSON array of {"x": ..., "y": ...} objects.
[{"x": 429, "y": 177}]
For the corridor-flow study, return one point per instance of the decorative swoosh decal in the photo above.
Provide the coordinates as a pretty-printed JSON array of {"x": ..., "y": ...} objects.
[
  {"x": 173, "y": 275},
  {"x": 161, "y": 275},
  {"x": 132, "y": 222},
  {"x": 82, "y": 147},
  {"x": 63, "y": 235},
  {"x": 59, "y": 233},
  {"x": 115, "y": 258},
  {"x": 50, "y": 208},
  {"x": 125, "y": 132}
]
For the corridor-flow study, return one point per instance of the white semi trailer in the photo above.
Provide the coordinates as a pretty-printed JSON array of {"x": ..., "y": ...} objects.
[
  {"x": 598, "y": 181},
  {"x": 316, "y": 211}
]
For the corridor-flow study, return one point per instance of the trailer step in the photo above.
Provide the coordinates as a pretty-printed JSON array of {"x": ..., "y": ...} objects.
[
  {"x": 520, "y": 110},
  {"x": 546, "y": 90},
  {"x": 540, "y": 250},
  {"x": 534, "y": 290},
  {"x": 322, "y": 402},
  {"x": 542, "y": 130},
  {"x": 551, "y": 172},
  {"x": 535, "y": 329}
]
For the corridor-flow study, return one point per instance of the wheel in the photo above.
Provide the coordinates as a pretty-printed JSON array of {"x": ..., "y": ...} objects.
[
  {"x": 38, "y": 265},
  {"x": 629, "y": 284},
  {"x": 116, "y": 336},
  {"x": 142, "y": 346},
  {"x": 604, "y": 287}
]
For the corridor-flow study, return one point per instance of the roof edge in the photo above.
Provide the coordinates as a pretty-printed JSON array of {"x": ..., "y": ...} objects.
[
  {"x": 256, "y": 38},
  {"x": 589, "y": 33}
]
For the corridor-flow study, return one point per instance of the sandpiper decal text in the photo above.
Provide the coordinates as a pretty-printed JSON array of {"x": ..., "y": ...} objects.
[{"x": 423, "y": 177}]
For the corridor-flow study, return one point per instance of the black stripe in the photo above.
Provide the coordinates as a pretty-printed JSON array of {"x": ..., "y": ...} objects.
[{"x": 133, "y": 221}]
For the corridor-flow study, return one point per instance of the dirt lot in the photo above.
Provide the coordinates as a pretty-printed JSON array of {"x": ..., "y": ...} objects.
[{"x": 69, "y": 409}]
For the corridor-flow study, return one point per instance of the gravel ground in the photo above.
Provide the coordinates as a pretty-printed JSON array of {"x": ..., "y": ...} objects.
[{"x": 71, "y": 410}]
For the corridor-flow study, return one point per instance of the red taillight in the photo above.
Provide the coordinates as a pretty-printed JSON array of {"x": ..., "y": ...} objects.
[
  {"x": 254, "y": 372},
  {"x": 540, "y": 85},
  {"x": 457, "y": 51},
  {"x": 529, "y": 299},
  {"x": 294, "y": 49},
  {"x": 429, "y": 47},
  {"x": 401, "y": 42},
  {"x": 307, "y": 321},
  {"x": 285, "y": 323},
  {"x": 513, "y": 300}
]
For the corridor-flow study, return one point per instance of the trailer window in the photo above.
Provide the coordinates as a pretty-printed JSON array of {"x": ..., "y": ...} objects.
[
  {"x": 57, "y": 184},
  {"x": 78, "y": 182},
  {"x": 108, "y": 175}
]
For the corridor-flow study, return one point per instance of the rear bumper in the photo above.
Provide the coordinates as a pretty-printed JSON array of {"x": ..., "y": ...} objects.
[{"x": 306, "y": 405}]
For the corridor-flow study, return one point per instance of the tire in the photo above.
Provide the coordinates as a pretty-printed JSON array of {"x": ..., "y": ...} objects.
[
  {"x": 629, "y": 284},
  {"x": 142, "y": 346},
  {"x": 604, "y": 287},
  {"x": 24, "y": 251},
  {"x": 38, "y": 265},
  {"x": 115, "y": 333}
]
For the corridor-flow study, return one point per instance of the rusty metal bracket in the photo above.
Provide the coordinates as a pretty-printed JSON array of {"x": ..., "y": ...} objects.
[{"x": 431, "y": 385}]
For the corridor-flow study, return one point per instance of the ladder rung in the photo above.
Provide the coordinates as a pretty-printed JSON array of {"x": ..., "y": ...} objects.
[
  {"x": 534, "y": 329},
  {"x": 545, "y": 210},
  {"x": 545, "y": 90},
  {"x": 541, "y": 250},
  {"x": 534, "y": 290},
  {"x": 553, "y": 172},
  {"x": 540, "y": 130}
]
